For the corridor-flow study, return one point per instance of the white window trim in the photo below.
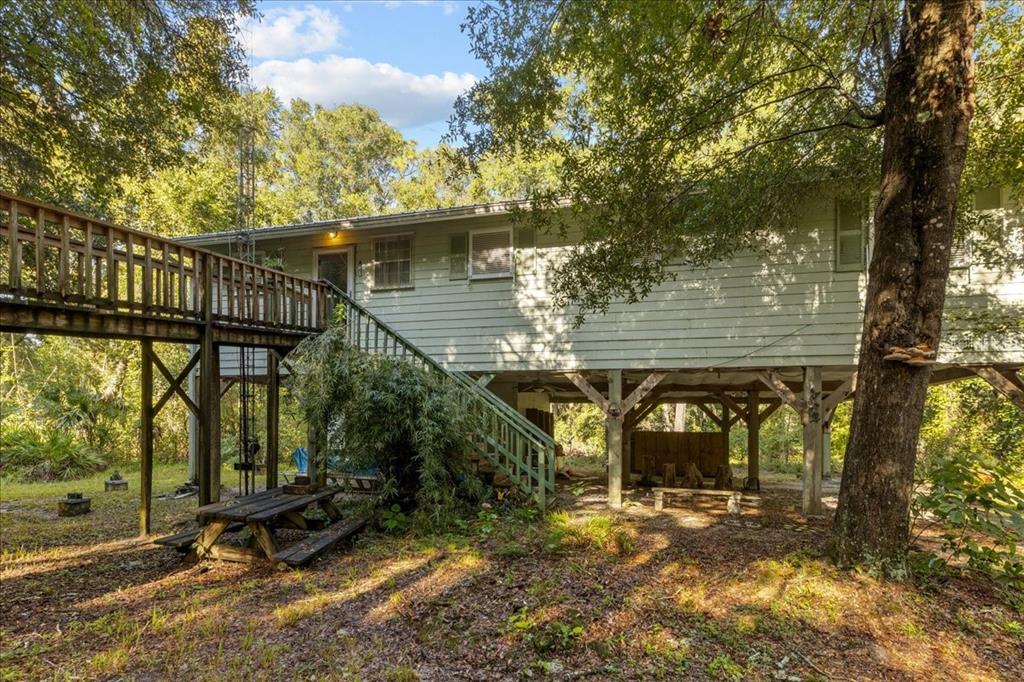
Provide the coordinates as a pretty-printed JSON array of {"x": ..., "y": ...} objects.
[
  {"x": 511, "y": 248},
  {"x": 849, "y": 267},
  {"x": 351, "y": 275},
  {"x": 412, "y": 261}
]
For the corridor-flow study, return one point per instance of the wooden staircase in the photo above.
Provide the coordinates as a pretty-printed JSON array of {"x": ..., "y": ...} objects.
[{"x": 509, "y": 448}]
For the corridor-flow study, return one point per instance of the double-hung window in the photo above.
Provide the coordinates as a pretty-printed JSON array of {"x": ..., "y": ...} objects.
[
  {"x": 490, "y": 253},
  {"x": 850, "y": 243},
  {"x": 392, "y": 262}
]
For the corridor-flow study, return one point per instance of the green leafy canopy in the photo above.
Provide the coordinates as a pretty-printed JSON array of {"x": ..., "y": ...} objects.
[{"x": 687, "y": 131}]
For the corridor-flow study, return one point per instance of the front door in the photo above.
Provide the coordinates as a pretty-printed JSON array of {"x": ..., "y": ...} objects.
[{"x": 337, "y": 267}]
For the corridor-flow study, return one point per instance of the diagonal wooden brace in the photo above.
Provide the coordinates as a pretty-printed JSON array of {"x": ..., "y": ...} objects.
[
  {"x": 589, "y": 391},
  {"x": 772, "y": 381},
  {"x": 1002, "y": 383},
  {"x": 175, "y": 384}
]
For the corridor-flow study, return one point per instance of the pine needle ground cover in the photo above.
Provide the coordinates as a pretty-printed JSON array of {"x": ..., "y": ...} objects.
[{"x": 689, "y": 593}]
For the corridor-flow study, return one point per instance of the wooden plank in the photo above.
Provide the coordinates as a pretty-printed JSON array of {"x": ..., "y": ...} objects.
[
  {"x": 614, "y": 430},
  {"x": 586, "y": 389},
  {"x": 216, "y": 507},
  {"x": 182, "y": 307},
  {"x": 768, "y": 411},
  {"x": 753, "y": 481},
  {"x": 184, "y": 540},
  {"x": 277, "y": 504},
  {"x": 65, "y": 254},
  {"x": 729, "y": 402},
  {"x": 844, "y": 391},
  {"x": 242, "y": 555},
  {"x": 1001, "y": 383},
  {"x": 772, "y": 381},
  {"x": 287, "y": 503},
  {"x": 14, "y": 247},
  {"x": 40, "y": 251},
  {"x": 174, "y": 384},
  {"x": 264, "y": 538},
  {"x": 641, "y": 391},
  {"x": 812, "y": 437},
  {"x": 306, "y": 550},
  {"x": 146, "y": 460},
  {"x": 715, "y": 419},
  {"x": 111, "y": 268},
  {"x": 165, "y": 257},
  {"x": 179, "y": 540},
  {"x": 147, "y": 276},
  {"x": 130, "y": 256},
  {"x": 273, "y": 418}
]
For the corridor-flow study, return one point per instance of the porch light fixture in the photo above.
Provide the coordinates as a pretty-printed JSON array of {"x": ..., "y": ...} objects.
[{"x": 332, "y": 234}]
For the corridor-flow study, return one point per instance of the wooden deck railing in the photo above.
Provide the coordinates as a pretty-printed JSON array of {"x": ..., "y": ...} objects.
[
  {"x": 52, "y": 256},
  {"x": 511, "y": 442}
]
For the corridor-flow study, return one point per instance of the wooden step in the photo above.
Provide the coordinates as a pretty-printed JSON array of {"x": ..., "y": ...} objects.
[{"x": 304, "y": 551}]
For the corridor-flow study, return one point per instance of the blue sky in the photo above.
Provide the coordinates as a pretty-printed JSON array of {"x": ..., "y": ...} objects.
[{"x": 409, "y": 60}]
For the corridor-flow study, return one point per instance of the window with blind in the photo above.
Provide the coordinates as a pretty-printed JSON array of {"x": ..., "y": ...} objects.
[
  {"x": 490, "y": 253},
  {"x": 849, "y": 236},
  {"x": 392, "y": 262}
]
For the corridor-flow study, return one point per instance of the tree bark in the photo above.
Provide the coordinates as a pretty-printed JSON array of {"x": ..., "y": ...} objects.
[{"x": 929, "y": 102}]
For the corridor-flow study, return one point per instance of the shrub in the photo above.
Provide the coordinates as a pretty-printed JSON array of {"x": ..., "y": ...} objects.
[
  {"x": 600, "y": 533},
  {"x": 981, "y": 513},
  {"x": 380, "y": 412},
  {"x": 35, "y": 455}
]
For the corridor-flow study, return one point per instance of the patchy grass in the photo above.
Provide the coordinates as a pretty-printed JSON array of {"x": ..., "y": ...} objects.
[{"x": 581, "y": 593}]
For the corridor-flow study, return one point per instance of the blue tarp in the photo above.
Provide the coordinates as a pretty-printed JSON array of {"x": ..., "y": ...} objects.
[
  {"x": 301, "y": 459},
  {"x": 335, "y": 463}
]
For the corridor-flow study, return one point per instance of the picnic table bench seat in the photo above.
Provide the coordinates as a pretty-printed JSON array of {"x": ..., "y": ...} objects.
[{"x": 304, "y": 551}]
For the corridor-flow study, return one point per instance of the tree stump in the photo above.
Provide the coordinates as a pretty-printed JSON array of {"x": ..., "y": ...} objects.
[
  {"x": 723, "y": 477},
  {"x": 693, "y": 478},
  {"x": 668, "y": 479}
]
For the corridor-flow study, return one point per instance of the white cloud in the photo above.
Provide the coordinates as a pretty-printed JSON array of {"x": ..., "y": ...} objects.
[
  {"x": 448, "y": 7},
  {"x": 404, "y": 99},
  {"x": 286, "y": 31}
]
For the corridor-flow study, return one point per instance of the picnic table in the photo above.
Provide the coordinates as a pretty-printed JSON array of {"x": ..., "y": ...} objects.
[{"x": 262, "y": 513}]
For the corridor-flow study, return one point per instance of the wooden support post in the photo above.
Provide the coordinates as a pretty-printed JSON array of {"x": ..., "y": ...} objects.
[
  {"x": 209, "y": 395},
  {"x": 273, "y": 415},
  {"x": 146, "y": 440},
  {"x": 753, "y": 481},
  {"x": 193, "y": 424},
  {"x": 214, "y": 412},
  {"x": 619, "y": 418},
  {"x": 680, "y": 417},
  {"x": 812, "y": 436},
  {"x": 614, "y": 422},
  {"x": 627, "y": 456},
  {"x": 726, "y": 425},
  {"x": 826, "y": 449}
]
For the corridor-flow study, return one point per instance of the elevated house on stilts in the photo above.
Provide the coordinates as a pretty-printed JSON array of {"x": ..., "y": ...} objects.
[{"x": 467, "y": 290}]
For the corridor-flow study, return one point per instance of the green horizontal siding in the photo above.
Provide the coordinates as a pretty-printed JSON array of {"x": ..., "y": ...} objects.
[{"x": 790, "y": 308}]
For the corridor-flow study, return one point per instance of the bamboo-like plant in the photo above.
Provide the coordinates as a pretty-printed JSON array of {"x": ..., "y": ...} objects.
[{"x": 382, "y": 413}]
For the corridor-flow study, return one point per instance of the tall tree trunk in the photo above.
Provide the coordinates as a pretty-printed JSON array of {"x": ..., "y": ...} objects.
[{"x": 929, "y": 102}]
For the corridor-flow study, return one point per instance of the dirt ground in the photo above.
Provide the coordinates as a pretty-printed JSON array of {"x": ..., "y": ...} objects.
[{"x": 687, "y": 593}]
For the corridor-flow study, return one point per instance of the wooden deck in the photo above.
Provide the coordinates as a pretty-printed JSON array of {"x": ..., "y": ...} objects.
[{"x": 65, "y": 273}]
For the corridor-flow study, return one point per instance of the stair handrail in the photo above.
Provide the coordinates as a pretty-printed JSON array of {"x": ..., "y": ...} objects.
[{"x": 542, "y": 438}]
